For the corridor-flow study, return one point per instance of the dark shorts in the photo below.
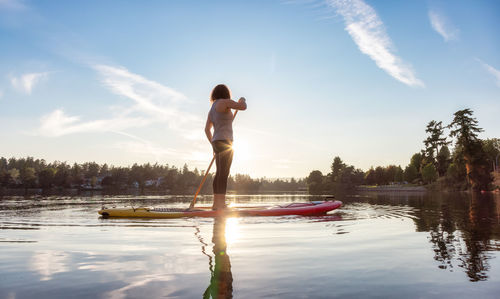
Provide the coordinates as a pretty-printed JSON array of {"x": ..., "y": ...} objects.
[{"x": 223, "y": 150}]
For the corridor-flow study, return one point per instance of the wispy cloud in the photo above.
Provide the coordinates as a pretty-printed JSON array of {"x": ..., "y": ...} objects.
[
  {"x": 493, "y": 71},
  {"x": 443, "y": 26},
  {"x": 26, "y": 82},
  {"x": 368, "y": 32},
  {"x": 150, "y": 98},
  {"x": 151, "y": 103},
  {"x": 58, "y": 123}
]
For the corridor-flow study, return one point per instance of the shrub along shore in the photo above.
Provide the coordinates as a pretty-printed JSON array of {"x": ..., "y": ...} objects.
[{"x": 468, "y": 166}]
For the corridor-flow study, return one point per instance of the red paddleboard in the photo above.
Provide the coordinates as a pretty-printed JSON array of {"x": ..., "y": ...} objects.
[{"x": 304, "y": 209}]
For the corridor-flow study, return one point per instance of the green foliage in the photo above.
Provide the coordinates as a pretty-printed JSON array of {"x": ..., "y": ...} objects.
[
  {"x": 9, "y": 176},
  {"x": 282, "y": 184},
  {"x": 443, "y": 160},
  {"x": 13, "y": 173},
  {"x": 370, "y": 178},
  {"x": 93, "y": 181},
  {"x": 456, "y": 176},
  {"x": 245, "y": 184},
  {"x": 492, "y": 149},
  {"x": 90, "y": 169},
  {"x": 343, "y": 177},
  {"x": 38, "y": 173},
  {"x": 429, "y": 173},
  {"x": 416, "y": 161},
  {"x": 410, "y": 173},
  {"x": 119, "y": 177},
  {"x": 337, "y": 167},
  {"x": 62, "y": 176},
  {"x": 46, "y": 177},
  {"x": 349, "y": 178},
  {"x": 390, "y": 173},
  {"x": 469, "y": 164},
  {"x": 434, "y": 140},
  {"x": 464, "y": 128},
  {"x": 3, "y": 164},
  {"x": 470, "y": 147},
  {"x": 107, "y": 181},
  {"x": 479, "y": 168},
  {"x": 315, "y": 182},
  {"x": 28, "y": 177},
  {"x": 76, "y": 173},
  {"x": 384, "y": 175},
  {"x": 399, "y": 176},
  {"x": 104, "y": 170},
  {"x": 380, "y": 177}
]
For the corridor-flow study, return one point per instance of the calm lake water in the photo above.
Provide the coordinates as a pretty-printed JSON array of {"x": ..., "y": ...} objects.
[{"x": 406, "y": 246}]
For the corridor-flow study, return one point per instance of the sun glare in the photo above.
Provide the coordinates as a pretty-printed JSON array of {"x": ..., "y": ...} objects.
[
  {"x": 241, "y": 150},
  {"x": 232, "y": 230}
]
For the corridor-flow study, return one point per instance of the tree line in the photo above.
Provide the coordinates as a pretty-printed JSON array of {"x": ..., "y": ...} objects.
[
  {"x": 37, "y": 173},
  {"x": 468, "y": 165}
]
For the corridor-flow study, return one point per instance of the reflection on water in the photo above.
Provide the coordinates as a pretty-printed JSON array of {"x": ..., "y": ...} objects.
[
  {"x": 221, "y": 278},
  {"x": 463, "y": 228},
  {"x": 387, "y": 245},
  {"x": 49, "y": 262},
  {"x": 463, "y": 231}
]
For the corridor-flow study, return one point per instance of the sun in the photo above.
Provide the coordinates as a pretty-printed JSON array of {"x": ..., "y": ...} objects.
[{"x": 241, "y": 150}]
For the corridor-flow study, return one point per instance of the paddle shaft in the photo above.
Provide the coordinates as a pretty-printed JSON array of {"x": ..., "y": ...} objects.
[{"x": 193, "y": 202}]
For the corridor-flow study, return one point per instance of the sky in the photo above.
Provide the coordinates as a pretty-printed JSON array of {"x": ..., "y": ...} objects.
[{"x": 124, "y": 82}]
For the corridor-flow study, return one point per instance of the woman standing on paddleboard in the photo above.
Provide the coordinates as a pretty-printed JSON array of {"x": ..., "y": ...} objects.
[{"x": 220, "y": 117}]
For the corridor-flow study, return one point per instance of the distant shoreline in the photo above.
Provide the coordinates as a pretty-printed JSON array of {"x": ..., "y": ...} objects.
[
  {"x": 392, "y": 188},
  {"x": 117, "y": 192}
]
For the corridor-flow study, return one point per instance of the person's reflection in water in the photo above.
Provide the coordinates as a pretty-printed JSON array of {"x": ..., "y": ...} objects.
[{"x": 221, "y": 281}]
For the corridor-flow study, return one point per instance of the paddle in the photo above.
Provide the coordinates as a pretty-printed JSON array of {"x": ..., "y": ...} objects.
[{"x": 193, "y": 202}]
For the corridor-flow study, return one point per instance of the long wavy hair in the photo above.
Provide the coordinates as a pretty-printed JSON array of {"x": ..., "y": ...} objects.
[{"x": 220, "y": 91}]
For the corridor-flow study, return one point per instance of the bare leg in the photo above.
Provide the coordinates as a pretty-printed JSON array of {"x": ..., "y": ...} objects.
[{"x": 219, "y": 202}]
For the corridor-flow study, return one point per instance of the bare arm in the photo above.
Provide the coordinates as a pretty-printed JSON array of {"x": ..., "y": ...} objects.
[
  {"x": 240, "y": 105},
  {"x": 230, "y": 104},
  {"x": 208, "y": 130}
]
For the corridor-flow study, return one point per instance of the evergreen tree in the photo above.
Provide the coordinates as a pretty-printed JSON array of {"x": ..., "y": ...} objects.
[
  {"x": 337, "y": 167},
  {"x": 315, "y": 182},
  {"x": 464, "y": 127},
  {"x": 416, "y": 161},
  {"x": 434, "y": 140}
]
